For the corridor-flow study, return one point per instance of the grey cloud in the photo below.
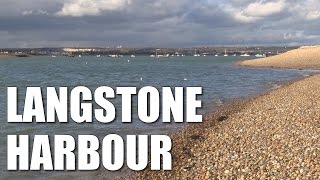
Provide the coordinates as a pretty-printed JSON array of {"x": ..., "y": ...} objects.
[{"x": 159, "y": 23}]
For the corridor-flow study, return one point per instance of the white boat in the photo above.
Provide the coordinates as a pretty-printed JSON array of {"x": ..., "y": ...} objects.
[
  {"x": 163, "y": 56},
  {"x": 216, "y": 55},
  {"x": 195, "y": 53},
  {"x": 133, "y": 56},
  {"x": 152, "y": 55},
  {"x": 80, "y": 56},
  {"x": 53, "y": 56},
  {"x": 245, "y": 55},
  {"x": 98, "y": 55},
  {"x": 113, "y": 56},
  {"x": 234, "y": 55},
  {"x": 225, "y": 53},
  {"x": 260, "y": 55}
]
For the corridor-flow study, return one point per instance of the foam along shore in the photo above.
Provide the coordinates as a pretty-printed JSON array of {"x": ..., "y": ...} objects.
[
  {"x": 306, "y": 57},
  {"x": 275, "y": 135}
]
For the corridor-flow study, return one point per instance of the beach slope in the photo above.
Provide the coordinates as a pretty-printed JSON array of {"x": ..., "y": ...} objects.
[
  {"x": 306, "y": 57},
  {"x": 276, "y": 135}
]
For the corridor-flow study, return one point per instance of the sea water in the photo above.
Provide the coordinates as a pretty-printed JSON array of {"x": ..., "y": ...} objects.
[{"x": 220, "y": 79}]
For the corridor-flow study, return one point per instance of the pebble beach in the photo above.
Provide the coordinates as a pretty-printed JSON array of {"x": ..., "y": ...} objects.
[
  {"x": 306, "y": 57},
  {"x": 272, "y": 136}
]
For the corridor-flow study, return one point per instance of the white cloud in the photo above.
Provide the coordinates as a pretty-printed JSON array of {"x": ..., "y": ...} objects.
[
  {"x": 34, "y": 12},
  {"x": 79, "y": 8},
  {"x": 299, "y": 35},
  {"x": 256, "y": 10},
  {"x": 243, "y": 18},
  {"x": 312, "y": 15},
  {"x": 262, "y": 9},
  {"x": 293, "y": 35},
  {"x": 308, "y": 9}
]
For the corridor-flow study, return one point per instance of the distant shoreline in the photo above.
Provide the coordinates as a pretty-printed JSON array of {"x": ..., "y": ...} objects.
[{"x": 188, "y": 51}]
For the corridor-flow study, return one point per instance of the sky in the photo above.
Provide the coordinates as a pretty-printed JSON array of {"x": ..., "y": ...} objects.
[{"x": 158, "y": 23}]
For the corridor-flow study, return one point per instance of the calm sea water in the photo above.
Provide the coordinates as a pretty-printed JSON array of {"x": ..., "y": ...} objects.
[{"x": 221, "y": 81}]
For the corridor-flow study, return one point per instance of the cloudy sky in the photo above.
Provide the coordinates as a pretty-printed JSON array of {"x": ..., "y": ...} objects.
[{"x": 158, "y": 23}]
